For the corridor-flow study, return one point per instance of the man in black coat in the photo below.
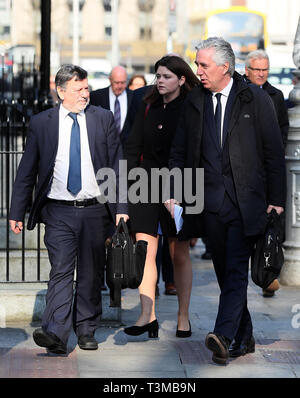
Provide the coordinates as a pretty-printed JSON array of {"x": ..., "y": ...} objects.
[
  {"x": 257, "y": 66},
  {"x": 230, "y": 129},
  {"x": 115, "y": 97}
]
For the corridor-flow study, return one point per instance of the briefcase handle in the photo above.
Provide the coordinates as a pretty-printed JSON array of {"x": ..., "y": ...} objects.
[{"x": 122, "y": 224}]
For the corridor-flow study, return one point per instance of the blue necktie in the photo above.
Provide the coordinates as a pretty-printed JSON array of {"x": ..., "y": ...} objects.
[
  {"x": 218, "y": 118},
  {"x": 74, "y": 176},
  {"x": 117, "y": 115}
]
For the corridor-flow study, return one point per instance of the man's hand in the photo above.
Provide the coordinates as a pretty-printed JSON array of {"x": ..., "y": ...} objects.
[
  {"x": 16, "y": 226},
  {"x": 119, "y": 216},
  {"x": 278, "y": 209}
]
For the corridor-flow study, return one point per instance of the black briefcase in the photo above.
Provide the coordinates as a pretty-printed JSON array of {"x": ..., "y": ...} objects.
[
  {"x": 125, "y": 262},
  {"x": 267, "y": 258}
]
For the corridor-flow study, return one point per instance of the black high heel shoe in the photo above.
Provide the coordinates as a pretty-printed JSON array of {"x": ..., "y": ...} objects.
[
  {"x": 151, "y": 328},
  {"x": 184, "y": 333}
]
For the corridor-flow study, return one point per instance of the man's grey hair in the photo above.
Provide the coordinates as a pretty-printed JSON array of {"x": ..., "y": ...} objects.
[
  {"x": 223, "y": 51},
  {"x": 256, "y": 54},
  {"x": 67, "y": 72}
]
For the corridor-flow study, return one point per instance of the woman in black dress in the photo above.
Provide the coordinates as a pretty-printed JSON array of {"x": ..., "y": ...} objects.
[{"x": 148, "y": 147}]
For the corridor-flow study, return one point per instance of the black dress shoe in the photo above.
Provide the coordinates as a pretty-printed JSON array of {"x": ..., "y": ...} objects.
[
  {"x": 184, "y": 333},
  {"x": 219, "y": 345},
  {"x": 151, "y": 328},
  {"x": 50, "y": 341},
  {"x": 206, "y": 256},
  {"x": 87, "y": 342},
  {"x": 243, "y": 348}
]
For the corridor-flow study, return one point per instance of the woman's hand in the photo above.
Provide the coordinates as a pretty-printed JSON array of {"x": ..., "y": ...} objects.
[
  {"x": 170, "y": 205},
  {"x": 119, "y": 216}
]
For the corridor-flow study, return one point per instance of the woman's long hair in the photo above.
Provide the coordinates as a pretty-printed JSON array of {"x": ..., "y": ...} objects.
[{"x": 180, "y": 68}]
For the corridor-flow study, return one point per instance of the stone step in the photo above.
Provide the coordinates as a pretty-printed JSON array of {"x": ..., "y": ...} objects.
[
  {"x": 30, "y": 266},
  {"x": 25, "y": 302}
]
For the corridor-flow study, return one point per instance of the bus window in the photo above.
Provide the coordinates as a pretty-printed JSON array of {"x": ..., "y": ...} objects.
[{"x": 235, "y": 24}]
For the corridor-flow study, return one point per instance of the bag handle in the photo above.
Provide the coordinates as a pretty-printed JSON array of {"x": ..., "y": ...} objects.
[{"x": 122, "y": 224}]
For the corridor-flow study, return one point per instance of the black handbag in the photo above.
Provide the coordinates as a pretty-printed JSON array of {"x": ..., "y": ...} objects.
[
  {"x": 125, "y": 262},
  {"x": 267, "y": 258}
]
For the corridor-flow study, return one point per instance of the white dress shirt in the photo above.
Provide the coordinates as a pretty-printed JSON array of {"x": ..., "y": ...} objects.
[
  {"x": 59, "y": 189},
  {"x": 123, "y": 104},
  {"x": 224, "y": 97}
]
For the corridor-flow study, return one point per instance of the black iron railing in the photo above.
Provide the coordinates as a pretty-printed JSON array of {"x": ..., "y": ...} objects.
[{"x": 20, "y": 256}]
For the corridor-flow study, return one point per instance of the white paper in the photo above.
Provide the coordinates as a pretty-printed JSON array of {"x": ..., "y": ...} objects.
[{"x": 177, "y": 218}]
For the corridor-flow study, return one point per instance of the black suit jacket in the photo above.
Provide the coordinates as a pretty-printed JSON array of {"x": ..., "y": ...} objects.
[
  {"x": 280, "y": 108},
  {"x": 100, "y": 97},
  {"x": 37, "y": 163}
]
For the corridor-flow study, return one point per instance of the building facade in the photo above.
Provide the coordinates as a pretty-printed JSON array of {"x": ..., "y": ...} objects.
[{"x": 147, "y": 29}]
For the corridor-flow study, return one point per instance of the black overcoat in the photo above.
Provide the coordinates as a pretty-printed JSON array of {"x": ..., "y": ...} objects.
[{"x": 255, "y": 149}]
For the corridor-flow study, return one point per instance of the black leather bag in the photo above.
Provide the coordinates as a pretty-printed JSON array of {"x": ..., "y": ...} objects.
[
  {"x": 125, "y": 262},
  {"x": 267, "y": 258}
]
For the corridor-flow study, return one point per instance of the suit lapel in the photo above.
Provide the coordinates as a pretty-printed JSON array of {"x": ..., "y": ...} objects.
[
  {"x": 197, "y": 101},
  {"x": 91, "y": 129},
  {"x": 229, "y": 118},
  {"x": 52, "y": 131},
  {"x": 210, "y": 119}
]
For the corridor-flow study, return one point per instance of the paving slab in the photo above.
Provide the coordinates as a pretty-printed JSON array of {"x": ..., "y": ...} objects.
[{"x": 276, "y": 330}]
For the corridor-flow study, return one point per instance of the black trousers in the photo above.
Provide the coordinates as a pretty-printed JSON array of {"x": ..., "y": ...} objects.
[
  {"x": 231, "y": 251},
  {"x": 163, "y": 261},
  {"x": 75, "y": 239}
]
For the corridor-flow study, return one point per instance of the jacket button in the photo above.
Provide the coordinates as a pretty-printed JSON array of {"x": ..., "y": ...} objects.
[{"x": 160, "y": 126}]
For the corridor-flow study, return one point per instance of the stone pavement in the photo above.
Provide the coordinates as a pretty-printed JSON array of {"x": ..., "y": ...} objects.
[{"x": 276, "y": 323}]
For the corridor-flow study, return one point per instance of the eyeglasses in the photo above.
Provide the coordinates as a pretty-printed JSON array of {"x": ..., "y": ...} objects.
[{"x": 256, "y": 70}]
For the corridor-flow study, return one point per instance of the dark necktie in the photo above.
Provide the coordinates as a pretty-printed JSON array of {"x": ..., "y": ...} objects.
[
  {"x": 218, "y": 118},
  {"x": 117, "y": 115},
  {"x": 74, "y": 176}
]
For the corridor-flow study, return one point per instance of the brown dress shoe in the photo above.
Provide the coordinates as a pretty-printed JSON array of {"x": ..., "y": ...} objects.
[
  {"x": 271, "y": 289},
  {"x": 219, "y": 345},
  {"x": 170, "y": 289}
]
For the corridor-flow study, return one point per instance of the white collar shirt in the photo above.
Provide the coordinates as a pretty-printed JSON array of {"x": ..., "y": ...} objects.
[
  {"x": 123, "y": 104},
  {"x": 224, "y": 97},
  {"x": 59, "y": 189}
]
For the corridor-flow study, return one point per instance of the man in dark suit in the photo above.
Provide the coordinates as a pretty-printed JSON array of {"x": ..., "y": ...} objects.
[
  {"x": 230, "y": 129},
  {"x": 257, "y": 67},
  {"x": 115, "y": 97},
  {"x": 66, "y": 147}
]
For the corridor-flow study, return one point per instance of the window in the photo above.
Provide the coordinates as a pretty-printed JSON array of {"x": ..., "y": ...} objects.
[
  {"x": 108, "y": 32},
  {"x": 145, "y": 22},
  {"x": 107, "y": 5}
]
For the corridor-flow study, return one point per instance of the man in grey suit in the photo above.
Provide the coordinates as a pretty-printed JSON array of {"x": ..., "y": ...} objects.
[
  {"x": 66, "y": 147},
  {"x": 115, "y": 97}
]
